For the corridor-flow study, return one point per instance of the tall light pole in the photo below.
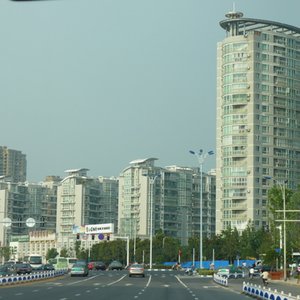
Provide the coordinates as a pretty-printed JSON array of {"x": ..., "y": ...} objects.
[
  {"x": 201, "y": 157},
  {"x": 152, "y": 178},
  {"x": 282, "y": 187}
]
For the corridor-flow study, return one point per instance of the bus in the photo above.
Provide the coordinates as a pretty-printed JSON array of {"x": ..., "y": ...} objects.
[
  {"x": 62, "y": 262},
  {"x": 35, "y": 261}
]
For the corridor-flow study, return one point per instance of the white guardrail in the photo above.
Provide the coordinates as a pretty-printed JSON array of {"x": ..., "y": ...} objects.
[
  {"x": 260, "y": 292},
  {"x": 15, "y": 279},
  {"x": 221, "y": 279}
]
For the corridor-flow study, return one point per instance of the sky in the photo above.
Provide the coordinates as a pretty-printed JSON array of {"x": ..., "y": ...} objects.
[{"x": 97, "y": 84}]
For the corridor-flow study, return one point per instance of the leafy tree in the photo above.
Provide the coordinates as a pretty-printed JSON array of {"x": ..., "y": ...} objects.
[
  {"x": 230, "y": 244},
  {"x": 5, "y": 252},
  {"x": 64, "y": 252},
  {"x": 51, "y": 253}
]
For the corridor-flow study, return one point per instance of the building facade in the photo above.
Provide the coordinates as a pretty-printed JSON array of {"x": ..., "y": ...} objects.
[
  {"x": 22, "y": 201},
  {"x": 258, "y": 113},
  {"x": 81, "y": 201},
  {"x": 13, "y": 164},
  {"x": 164, "y": 199}
]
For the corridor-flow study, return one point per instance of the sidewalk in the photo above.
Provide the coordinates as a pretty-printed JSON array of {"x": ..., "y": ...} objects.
[{"x": 292, "y": 281}]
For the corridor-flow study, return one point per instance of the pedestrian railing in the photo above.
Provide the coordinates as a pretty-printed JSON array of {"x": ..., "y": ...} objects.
[
  {"x": 14, "y": 279},
  {"x": 221, "y": 279},
  {"x": 261, "y": 292}
]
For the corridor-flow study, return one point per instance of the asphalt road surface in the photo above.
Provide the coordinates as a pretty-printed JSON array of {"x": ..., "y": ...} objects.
[{"x": 117, "y": 285}]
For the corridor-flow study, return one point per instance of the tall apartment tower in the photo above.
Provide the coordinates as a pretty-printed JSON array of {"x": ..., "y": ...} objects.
[
  {"x": 258, "y": 117},
  {"x": 12, "y": 164}
]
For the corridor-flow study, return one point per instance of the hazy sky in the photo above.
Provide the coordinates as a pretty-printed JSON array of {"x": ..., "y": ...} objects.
[{"x": 98, "y": 83}]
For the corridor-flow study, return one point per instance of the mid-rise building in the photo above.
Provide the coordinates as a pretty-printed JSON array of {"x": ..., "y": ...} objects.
[
  {"x": 22, "y": 201},
  {"x": 258, "y": 113},
  {"x": 13, "y": 164}
]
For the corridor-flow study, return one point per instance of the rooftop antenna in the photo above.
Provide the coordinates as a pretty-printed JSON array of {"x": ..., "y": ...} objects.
[{"x": 234, "y": 14}]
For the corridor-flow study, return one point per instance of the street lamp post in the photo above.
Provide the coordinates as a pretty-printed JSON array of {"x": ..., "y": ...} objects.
[
  {"x": 152, "y": 178},
  {"x": 282, "y": 187},
  {"x": 201, "y": 157}
]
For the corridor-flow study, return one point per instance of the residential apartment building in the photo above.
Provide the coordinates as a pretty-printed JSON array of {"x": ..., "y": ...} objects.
[
  {"x": 258, "y": 113},
  {"x": 83, "y": 200},
  {"x": 13, "y": 164},
  {"x": 21, "y": 201},
  {"x": 166, "y": 199},
  {"x": 109, "y": 202}
]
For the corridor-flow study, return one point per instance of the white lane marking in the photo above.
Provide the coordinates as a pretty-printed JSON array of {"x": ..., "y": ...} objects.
[
  {"x": 149, "y": 280},
  {"x": 116, "y": 280},
  {"x": 181, "y": 281},
  {"x": 88, "y": 278}
]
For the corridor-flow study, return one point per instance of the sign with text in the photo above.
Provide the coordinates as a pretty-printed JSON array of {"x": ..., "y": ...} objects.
[{"x": 99, "y": 228}]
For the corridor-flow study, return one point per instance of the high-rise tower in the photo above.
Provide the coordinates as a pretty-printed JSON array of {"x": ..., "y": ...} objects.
[
  {"x": 13, "y": 164},
  {"x": 258, "y": 117}
]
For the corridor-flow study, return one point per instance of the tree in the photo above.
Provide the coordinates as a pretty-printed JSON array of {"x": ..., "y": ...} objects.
[
  {"x": 5, "y": 252},
  {"x": 51, "y": 253},
  {"x": 230, "y": 244},
  {"x": 64, "y": 252}
]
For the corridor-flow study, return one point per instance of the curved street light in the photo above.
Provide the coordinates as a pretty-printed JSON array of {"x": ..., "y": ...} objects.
[
  {"x": 152, "y": 178},
  {"x": 201, "y": 156}
]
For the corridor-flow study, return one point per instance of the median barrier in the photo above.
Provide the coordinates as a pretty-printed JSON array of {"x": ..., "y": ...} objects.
[
  {"x": 15, "y": 279},
  {"x": 221, "y": 280},
  {"x": 260, "y": 292}
]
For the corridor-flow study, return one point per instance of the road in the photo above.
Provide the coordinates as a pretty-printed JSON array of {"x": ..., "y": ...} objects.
[{"x": 117, "y": 285}]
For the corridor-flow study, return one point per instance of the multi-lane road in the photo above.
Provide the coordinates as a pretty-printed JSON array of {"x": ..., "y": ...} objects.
[{"x": 117, "y": 285}]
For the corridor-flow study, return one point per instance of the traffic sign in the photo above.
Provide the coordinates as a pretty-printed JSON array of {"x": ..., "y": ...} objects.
[
  {"x": 30, "y": 222},
  {"x": 7, "y": 222}
]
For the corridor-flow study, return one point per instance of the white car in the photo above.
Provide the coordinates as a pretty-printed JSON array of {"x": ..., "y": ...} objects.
[{"x": 136, "y": 269}]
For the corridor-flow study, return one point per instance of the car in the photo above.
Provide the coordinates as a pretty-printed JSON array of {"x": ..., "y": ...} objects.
[
  {"x": 48, "y": 267},
  {"x": 136, "y": 269},
  {"x": 115, "y": 265},
  {"x": 22, "y": 268},
  {"x": 100, "y": 265},
  {"x": 230, "y": 272},
  {"x": 5, "y": 271},
  {"x": 79, "y": 269},
  {"x": 91, "y": 265}
]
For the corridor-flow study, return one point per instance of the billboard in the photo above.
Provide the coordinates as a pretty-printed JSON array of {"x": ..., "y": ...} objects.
[{"x": 99, "y": 228}]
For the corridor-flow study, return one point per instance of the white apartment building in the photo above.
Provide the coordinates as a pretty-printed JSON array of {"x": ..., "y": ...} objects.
[
  {"x": 169, "y": 198},
  {"x": 258, "y": 117},
  {"x": 83, "y": 200}
]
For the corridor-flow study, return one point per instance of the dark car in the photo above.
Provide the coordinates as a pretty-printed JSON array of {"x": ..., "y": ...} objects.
[
  {"x": 115, "y": 265},
  {"x": 100, "y": 265},
  {"x": 22, "y": 268},
  {"x": 48, "y": 267},
  {"x": 5, "y": 271}
]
